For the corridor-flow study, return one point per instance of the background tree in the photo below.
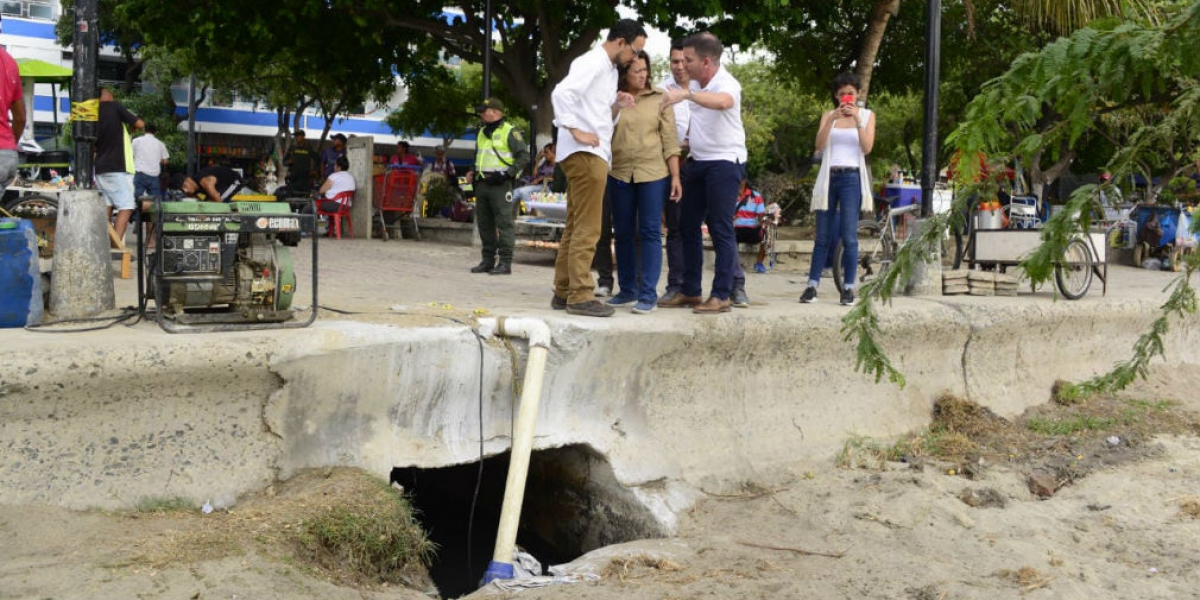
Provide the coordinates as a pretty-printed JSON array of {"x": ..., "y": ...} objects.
[
  {"x": 116, "y": 30},
  {"x": 289, "y": 54},
  {"x": 1049, "y": 102},
  {"x": 440, "y": 101}
]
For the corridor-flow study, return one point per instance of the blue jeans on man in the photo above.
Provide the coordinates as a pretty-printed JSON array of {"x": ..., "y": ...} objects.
[
  {"x": 674, "y": 245},
  {"x": 145, "y": 185},
  {"x": 637, "y": 209},
  {"x": 838, "y": 222},
  {"x": 710, "y": 191}
]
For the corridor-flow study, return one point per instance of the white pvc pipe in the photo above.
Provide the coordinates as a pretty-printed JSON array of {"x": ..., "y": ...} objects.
[{"x": 538, "y": 334}]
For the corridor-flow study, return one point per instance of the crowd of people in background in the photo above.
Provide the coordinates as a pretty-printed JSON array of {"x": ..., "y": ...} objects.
[{"x": 634, "y": 159}]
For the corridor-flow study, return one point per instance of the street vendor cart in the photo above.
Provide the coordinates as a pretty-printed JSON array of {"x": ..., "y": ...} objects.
[{"x": 995, "y": 247}]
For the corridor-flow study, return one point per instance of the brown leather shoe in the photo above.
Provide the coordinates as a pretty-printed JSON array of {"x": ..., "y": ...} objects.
[
  {"x": 713, "y": 306},
  {"x": 680, "y": 301}
]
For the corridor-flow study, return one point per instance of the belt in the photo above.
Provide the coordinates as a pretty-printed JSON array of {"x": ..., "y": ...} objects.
[{"x": 843, "y": 169}]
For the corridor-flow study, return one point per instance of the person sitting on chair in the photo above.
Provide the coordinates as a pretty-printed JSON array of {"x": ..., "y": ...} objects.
[
  {"x": 338, "y": 182},
  {"x": 747, "y": 226}
]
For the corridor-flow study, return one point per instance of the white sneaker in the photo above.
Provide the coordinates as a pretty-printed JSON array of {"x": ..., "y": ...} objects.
[{"x": 603, "y": 291}]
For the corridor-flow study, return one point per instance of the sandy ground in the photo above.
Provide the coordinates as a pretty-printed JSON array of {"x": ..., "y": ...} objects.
[{"x": 1129, "y": 527}]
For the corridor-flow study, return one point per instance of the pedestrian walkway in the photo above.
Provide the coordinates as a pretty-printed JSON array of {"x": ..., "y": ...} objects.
[{"x": 371, "y": 275}]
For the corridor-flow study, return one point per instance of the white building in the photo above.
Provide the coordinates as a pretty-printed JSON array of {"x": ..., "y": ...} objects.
[{"x": 227, "y": 127}]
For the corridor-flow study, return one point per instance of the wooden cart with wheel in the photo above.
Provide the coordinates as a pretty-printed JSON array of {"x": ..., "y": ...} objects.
[{"x": 1085, "y": 257}]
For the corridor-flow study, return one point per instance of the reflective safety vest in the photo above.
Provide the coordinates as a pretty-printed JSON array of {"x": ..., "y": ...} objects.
[{"x": 493, "y": 154}]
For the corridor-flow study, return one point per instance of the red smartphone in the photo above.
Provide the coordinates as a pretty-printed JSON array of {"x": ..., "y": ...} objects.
[{"x": 847, "y": 99}]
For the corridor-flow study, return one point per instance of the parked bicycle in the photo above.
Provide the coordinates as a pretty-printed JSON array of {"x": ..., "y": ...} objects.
[
  {"x": 877, "y": 261},
  {"x": 770, "y": 235}
]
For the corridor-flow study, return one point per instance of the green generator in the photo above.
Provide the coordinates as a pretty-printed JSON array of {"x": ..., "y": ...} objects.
[{"x": 222, "y": 266}]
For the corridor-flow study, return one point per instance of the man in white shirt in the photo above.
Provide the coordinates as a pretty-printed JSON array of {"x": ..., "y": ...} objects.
[
  {"x": 711, "y": 175},
  {"x": 150, "y": 155},
  {"x": 677, "y": 80},
  {"x": 339, "y": 181},
  {"x": 586, "y": 103}
]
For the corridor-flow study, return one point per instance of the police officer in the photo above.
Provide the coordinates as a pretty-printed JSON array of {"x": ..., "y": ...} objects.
[
  {"x": 301, "y": 162},
  {"x": 499, "y": 154}
]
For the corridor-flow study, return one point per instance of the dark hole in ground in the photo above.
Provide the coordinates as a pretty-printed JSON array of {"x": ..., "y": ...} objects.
[{"x": 573, "y": 505}]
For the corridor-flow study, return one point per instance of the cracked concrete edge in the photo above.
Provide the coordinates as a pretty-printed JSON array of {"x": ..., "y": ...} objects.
[{"x": 695, "y": 407}]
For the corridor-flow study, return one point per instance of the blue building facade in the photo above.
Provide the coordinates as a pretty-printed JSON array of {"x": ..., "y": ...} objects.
[{"x": 226, "y": 126}]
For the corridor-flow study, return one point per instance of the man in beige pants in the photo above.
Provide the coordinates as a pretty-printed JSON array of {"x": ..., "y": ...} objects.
[{"x": 585, "y": 105}]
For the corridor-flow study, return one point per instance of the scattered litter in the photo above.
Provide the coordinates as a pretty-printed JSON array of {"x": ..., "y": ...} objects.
[
  {"x": 207, "y": 508},
  {"x": 1113, "y": 440},
  {"x": 397, "y": 308},
  {"x": 1153, "y": 570},
  {"x": 525, "y": 566},
  {"x": 514, "y": 585}
]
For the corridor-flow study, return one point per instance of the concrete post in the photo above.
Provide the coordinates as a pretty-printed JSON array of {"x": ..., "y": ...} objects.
[
  {"x": 927, "y": 276},
  {"x": 360, "y": 151},
  {"x": 82, "y": 282}
]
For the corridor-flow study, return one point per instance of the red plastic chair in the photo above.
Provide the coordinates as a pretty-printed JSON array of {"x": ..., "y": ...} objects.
[
  {"x": 343, "y": 212},
  {"x": 399, "y": 195}
]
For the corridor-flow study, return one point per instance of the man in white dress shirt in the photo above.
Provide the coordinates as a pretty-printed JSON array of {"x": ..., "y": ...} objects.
[
  {"x": 711, "y": 175},
  {"x": 676, "y": 80},
  {"x": 586, "y": 104}
]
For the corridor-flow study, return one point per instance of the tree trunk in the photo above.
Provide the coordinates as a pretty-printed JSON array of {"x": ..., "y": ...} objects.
[
  {"x": 880, "y": 15},
  {"x": 1039, "y": 179},
  {"x": 514, "y": 55}
]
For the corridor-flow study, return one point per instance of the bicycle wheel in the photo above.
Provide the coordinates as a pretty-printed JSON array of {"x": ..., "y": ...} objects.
[
  {"x": 836, "y": 265},
  {"x": 770, "y": 236},
  {"x": 962, "y": 244},
  {"x": 867, "y": 262},
  {"x": 1073, "y": 273},
  {"x": 42, "y": 212},
  {"x": 880, "y": 259}
]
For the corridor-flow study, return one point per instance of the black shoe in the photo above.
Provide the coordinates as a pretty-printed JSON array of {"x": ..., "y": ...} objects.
[
  {"x": 502, "y": 268},
  {"x": 809, "y": 295},
  {"x": 739, "y": 298},
  {"x": 558, "y": 303},
  {"x": 591, "y": 308},
  {"x": 484, "y": 266},
  {"x": 847, "y": 297}
]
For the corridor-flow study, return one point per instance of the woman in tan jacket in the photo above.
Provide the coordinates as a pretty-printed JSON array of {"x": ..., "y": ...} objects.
[{"x": 645, "y": 173}]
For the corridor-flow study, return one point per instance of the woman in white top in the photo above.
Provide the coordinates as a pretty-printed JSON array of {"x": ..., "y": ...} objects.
[
  {"x": 340, "y": 180},
  {"x": 845, "y": 138}
]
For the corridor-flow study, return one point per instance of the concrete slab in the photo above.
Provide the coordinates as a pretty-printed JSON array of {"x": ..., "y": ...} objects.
[{"x": 392, "y": 374}]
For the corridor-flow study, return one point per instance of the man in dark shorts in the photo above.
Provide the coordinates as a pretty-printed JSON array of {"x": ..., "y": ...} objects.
[{"x": 114, "y": 159}]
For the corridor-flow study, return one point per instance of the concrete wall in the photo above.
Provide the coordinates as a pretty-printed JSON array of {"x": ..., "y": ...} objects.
[{"x": 674, "y": 406}]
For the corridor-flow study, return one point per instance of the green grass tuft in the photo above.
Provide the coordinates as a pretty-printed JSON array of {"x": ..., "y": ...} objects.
[
  {"x": 166, "y": 505},
  {"x": 1069, "y": 425},
  {"x": 381, "y": 542}
]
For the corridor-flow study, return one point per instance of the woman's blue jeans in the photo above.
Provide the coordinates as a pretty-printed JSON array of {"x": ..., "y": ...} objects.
[
  {"x": 637, "y": 234},
  {"x": 838, "y": 222}
]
